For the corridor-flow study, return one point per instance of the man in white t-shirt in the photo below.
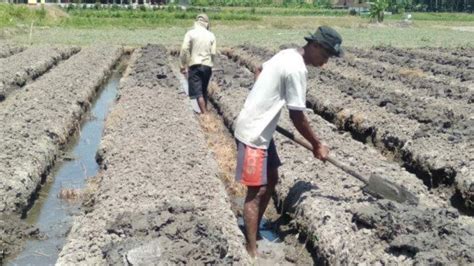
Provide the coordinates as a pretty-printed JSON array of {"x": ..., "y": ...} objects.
[{"x": 280, "y": 81}]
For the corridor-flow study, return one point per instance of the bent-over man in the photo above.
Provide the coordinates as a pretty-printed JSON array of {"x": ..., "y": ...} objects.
[{"x": 280, "y": 81}]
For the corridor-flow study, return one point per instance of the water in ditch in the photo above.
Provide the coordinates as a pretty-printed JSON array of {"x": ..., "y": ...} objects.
[{"x": 51, "y": 213}]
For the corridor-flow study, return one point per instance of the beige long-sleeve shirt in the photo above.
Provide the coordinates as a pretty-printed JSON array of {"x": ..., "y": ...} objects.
[{"x": 199, "y": 47}]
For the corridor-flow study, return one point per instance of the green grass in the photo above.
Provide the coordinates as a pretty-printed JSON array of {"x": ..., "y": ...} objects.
[
  {"x": 270, "y": 37},
  {"x": 268, "y": 26},
  {"x": 439, "y": 17},
  {"x": 288, "y": 11},
  {"x": 91, "y": 18},
  {"x": 12, "y": 15}
]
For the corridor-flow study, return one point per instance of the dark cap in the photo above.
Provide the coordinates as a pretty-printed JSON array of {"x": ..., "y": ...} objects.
[{"x": 328, "y": 38}]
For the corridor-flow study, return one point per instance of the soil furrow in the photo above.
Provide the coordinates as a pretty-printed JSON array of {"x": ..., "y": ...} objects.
[
  {"x": 16, "y": 70},
  {"x": 38, "y": 122},
  {"x": 438, "y": 115},
  {"x": 460, "y": 51},
  {"x": 428, "y": 55},
  {"x": 323, "y": 200},
  {"x": 7, "y": 49},
  {"x": 393, "y": 134},
  {"x": 158, "y": 198},
  {"x": 415, "y": 79},
  {"x": 446, "y": 71}
]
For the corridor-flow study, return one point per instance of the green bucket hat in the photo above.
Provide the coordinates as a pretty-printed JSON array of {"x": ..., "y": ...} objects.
[{"x": 328, "y": 38}]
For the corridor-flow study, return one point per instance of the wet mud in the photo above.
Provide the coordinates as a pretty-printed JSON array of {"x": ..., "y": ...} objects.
[
  {"x": 158, "y": 198},
  {"x": 13, "y": 233},
  {"x": 319, "y": 197},
  {"x": 428, "y": 236},
  {"x": 17, "y": 69}
]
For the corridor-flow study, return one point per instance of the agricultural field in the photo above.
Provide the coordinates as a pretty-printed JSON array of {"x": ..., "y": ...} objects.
[
  {"x": 404, "y": 116},
  {"x": 157, "y": 185}
]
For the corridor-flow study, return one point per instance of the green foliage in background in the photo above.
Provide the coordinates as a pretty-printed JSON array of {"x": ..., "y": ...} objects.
[
  {"x": 440, "y": 17},
  {"x": 143, "y": 17},
  {"x": 288, "y": 11},
  {"x": 377, "y": 9},
  {"x": 104, "y": 16},
  {"x": 11, "y": 15},
  {"x": 264, "y": 3}
]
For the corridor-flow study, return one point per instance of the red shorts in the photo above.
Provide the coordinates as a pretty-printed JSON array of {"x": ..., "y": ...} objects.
[{"x": 252, "y": 164}]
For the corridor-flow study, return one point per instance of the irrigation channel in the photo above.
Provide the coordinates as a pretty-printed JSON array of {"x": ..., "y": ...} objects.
[{"x": 59, "y": 199}]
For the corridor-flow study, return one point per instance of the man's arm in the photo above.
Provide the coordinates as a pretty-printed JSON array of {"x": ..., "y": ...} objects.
[
  {"x": 185, "y": 53},
  {"x": 213, "y": 50},
  {"x": 301, "y": 123}
]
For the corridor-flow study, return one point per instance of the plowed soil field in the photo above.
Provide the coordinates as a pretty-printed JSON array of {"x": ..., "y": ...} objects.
[{"x": 159, "y": 198}]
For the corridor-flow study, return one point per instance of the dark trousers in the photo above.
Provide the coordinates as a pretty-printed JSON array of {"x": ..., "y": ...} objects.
[{"x": 198, "y": 80}]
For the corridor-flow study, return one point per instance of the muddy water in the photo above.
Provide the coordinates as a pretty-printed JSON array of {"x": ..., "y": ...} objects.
[{"x": 51, "y": 213}]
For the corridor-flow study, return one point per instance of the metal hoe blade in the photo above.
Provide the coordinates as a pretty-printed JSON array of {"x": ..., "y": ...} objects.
[
  {"x": 388, "y": 190},
  {"x": 375, "y": 185}
]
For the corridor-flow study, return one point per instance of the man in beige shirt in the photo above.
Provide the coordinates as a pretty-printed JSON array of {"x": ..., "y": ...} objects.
[{"x": 196, "y": 59}]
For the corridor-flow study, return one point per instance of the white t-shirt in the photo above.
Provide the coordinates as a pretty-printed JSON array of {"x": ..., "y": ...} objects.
[{"x": 282, "y": 81}]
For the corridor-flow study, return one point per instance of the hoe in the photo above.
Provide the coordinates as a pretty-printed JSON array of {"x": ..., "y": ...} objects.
[{"x": 375, "y": 185}]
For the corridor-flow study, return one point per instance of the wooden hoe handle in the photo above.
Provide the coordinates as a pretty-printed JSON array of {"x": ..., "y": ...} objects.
[{"x": 330, "y": 159}]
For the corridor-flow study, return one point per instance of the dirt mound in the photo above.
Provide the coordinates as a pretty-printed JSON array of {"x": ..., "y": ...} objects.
[
  {"x": 8, "y": 49},
  {"x": 176, "y": 230},
  {"x": 428, "y": 236},
  {"x": 18, "y": 69}
]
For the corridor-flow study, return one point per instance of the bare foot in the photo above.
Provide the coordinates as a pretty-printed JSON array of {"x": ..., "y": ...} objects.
[{"x": 252, "y": 252}]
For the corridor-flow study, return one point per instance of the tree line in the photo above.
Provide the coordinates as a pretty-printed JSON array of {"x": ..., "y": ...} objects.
[{"x": 432, "y": 5}]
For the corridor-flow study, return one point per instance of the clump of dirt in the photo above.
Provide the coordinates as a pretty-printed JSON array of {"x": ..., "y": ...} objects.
[
  {"x": 70, "y": 194},
  {"x": 176, "y": 231},
  {"x": 428, "y": 236},
  {"x": 13, "y": 232},
  {"x": 8, "y": 49}
]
